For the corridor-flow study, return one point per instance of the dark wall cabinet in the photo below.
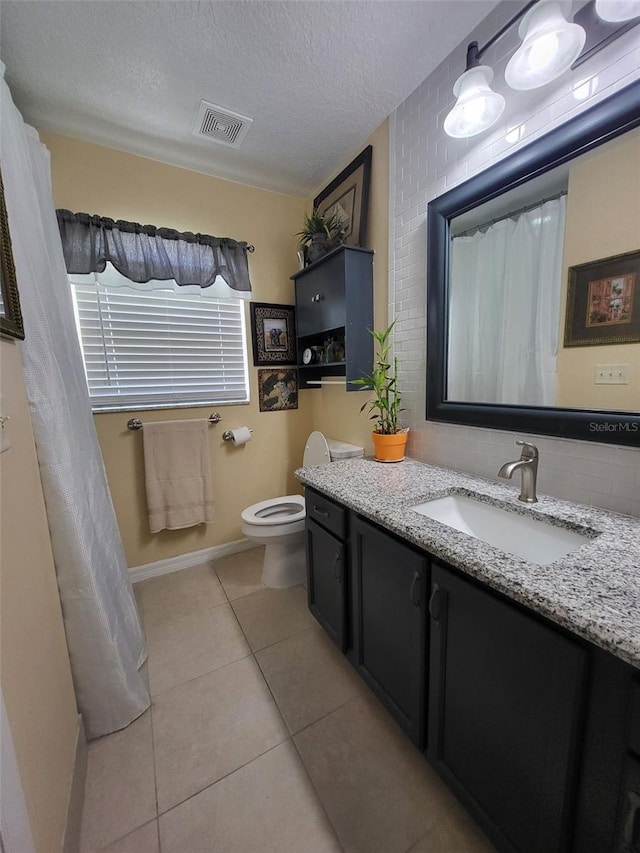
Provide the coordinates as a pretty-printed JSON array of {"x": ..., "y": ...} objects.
[
  {"x": 388, "y": 584},
  {"x": 536, "y": 731},
  {"x": 504, "y": 714},
  {"x": 334, "y": 311}
]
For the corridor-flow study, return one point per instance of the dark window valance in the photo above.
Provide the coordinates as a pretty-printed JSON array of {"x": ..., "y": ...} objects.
[{"x": 144, "y": 252}]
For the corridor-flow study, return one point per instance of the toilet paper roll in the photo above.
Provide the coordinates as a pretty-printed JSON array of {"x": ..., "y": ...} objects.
[{"x": 241, "y": 436}]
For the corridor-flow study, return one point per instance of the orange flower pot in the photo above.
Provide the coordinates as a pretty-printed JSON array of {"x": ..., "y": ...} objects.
[{"x": 389, "y": 448}]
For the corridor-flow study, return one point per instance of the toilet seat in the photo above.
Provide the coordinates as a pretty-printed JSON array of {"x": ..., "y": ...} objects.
[{"x": 275, "y": 511}]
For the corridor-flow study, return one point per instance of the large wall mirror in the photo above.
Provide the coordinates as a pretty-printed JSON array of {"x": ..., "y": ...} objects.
[{"x": 534, "y": 285}]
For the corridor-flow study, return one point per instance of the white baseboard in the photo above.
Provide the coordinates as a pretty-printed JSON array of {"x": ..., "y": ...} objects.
[{"x": 186, "y": 561}]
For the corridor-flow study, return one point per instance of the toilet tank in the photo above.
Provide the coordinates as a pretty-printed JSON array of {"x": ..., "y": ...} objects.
[
  {"x": 320, "y": 450},
  {"x": 343, "y": 450}
]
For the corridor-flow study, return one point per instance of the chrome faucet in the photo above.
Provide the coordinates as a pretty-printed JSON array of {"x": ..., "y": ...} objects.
[{"x": 528, "y": 466}]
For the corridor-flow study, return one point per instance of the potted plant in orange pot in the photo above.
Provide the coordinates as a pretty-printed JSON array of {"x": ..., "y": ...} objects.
[{"x": 389, "y": 440}]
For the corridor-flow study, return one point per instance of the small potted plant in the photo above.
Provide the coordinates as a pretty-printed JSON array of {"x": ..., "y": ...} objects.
[
  {"x": 321, "y": 233},
  {"x": 389, "y": 440}
]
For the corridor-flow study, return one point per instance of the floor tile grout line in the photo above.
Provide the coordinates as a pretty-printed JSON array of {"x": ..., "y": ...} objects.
[
  {"x": 295, "y": 734},
  {"x": 193, "y": 613},
  {"x": 289, "y": 735},
  {"x": 226, "y": 776},
  {"x": 153, "y": 756},
  {"x": 317, "y": 796},
  {"x": 123, "y": 837},
  {"x": 282, "y": 639},
  {"x": 196, "y": 677}
]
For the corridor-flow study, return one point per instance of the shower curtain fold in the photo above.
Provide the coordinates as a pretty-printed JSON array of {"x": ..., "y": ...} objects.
[{"x": 103, "y": 630}]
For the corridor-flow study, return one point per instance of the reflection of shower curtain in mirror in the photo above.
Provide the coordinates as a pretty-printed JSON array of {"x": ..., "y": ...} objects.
[{"x": 505, "y": 286}]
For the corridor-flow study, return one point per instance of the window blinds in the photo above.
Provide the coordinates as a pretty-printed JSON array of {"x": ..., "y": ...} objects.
[{"x": 144, "y": 349}]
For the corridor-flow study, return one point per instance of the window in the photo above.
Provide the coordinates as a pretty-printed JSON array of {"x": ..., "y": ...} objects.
[{"x": 146, "y": 347}]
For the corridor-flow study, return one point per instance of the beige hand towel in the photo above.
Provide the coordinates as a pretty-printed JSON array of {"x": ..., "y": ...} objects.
[{"x": 177, "y": 474}]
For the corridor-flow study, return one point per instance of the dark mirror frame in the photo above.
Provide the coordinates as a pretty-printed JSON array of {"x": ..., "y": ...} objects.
[
  {"x": 596, "y": 125},
  {"x": 11, "y": 321}
]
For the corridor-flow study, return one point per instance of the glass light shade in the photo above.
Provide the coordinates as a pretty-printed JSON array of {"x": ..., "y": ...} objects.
[
  {"x": 477, "y": 107},
  {"x": 549, "y": 47},
  {"x": 617, "y": 10}
]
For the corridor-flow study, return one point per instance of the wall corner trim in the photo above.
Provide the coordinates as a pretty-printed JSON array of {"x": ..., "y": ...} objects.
[
  {"x": 188, "y": 560},
  {"x": 73, "y": 823}
]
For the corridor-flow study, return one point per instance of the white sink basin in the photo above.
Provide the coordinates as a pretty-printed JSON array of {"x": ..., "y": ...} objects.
[{"x": 528, "y": 538}]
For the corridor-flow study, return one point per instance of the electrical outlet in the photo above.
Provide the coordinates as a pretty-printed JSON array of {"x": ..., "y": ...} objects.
[
  {"x": 5, "y": 444},
  {"x": 611, "y": 374}
]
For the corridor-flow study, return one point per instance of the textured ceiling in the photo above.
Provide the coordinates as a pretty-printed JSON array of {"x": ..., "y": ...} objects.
[{"x": 316, "y": 77}]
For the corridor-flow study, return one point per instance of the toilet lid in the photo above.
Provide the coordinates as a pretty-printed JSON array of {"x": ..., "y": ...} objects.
[{"x": 316, "y": 451}]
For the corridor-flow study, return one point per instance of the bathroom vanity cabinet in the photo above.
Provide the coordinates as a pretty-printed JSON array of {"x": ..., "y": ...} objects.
[
  {"x": 536, "y": 730},
  {"x": 334, "y": 311}
]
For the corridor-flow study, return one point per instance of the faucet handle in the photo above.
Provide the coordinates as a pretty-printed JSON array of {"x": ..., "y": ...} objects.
[{"x": 529, "y": 451}]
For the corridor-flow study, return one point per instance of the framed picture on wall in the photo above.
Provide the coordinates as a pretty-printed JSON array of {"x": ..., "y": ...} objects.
[
  {"x": 348, "y": 195},
  {"x": 277, "y": 389},
  {"x": 273, "y": 333},
  {"x": 603, "y": 302},
  {"x": 10, "y": 313}
]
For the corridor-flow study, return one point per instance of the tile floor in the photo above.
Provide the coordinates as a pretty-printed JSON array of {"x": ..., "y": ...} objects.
[{"x": 260, "y": 737}]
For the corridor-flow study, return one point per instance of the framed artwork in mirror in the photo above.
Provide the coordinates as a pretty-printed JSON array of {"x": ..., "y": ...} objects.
[
  {"x": 273, "y": 333},
  {"x": 603, "y": 302},
  {"x": 10, "y": 314},
  {"x": 348, "y": 195}
]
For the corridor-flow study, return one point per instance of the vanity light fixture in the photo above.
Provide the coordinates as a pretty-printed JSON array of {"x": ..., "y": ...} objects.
[
  {"x": 615, "y": 11},
  {"x": 477, "y": 107},
  {"x": 550, "y": 44}
]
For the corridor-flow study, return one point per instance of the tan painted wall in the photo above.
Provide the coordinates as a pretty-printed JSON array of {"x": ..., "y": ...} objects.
[
  {"x": 100, "y": 180},
  {"x": 36, "y": 678},
  {"x": 603, "y": 219},
  {"x": 336, "y": 412}
]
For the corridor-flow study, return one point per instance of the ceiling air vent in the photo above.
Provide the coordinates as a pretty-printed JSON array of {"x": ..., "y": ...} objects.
[{"x": 221, "y": 125}]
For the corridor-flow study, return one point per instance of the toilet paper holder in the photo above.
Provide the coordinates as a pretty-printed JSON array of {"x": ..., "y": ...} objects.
[{"x": 227, "y": 435}]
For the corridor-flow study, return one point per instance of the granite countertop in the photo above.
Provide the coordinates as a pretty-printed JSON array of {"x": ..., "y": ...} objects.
[{"x": 593, "y": 592}]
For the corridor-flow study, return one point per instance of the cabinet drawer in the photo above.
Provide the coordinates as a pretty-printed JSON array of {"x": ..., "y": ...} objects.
[
  {"x": 327, "y": 513},
  {"x": 634, "y": 719},
  {"x": 320, "y": 298}
]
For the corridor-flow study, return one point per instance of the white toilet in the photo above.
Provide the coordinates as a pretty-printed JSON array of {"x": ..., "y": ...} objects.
[{"x": 278, "y": 523}]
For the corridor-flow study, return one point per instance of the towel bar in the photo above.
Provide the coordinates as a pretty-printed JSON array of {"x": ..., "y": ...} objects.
[{"x": 136, "y": 423}]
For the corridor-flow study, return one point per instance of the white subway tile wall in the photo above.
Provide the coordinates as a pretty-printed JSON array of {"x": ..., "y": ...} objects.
[{"x": 425, "y": 162}]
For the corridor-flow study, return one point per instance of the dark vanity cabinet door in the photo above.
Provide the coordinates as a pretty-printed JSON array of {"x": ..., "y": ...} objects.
[
  {"x": 505, "y": 701},
  {"x": 389, "y": 585},
  {"x": 629, "y": 826},
  {"x": 326, "y": 581}
]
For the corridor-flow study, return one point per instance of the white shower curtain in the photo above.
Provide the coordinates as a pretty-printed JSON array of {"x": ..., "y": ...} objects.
[
  {"x": 104, "y": 635},
  {"x": 504, "y": 309}
]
